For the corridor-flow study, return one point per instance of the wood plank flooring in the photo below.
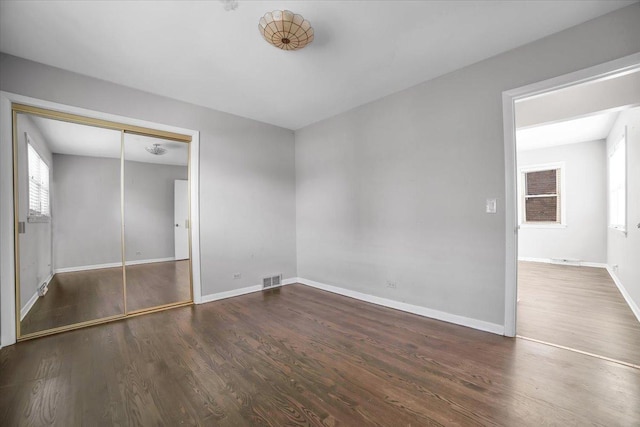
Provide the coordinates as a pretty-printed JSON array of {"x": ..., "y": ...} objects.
[
  {"x": 94, "y": 294},
  {"x": 301, "y": 356},
  {"x": 577, "y": 307}
]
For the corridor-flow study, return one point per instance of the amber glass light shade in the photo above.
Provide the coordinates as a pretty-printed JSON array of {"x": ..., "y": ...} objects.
[{"x": 286, "y": 30}]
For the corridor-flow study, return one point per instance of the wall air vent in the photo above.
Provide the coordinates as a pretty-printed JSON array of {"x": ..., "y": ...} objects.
[{"x": 272, "y": 282}]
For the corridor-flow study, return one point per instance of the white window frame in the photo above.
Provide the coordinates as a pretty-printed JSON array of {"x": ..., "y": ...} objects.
[
  {"x": 622, "y": 140},
  {"x": 39, "y": 216},
  {"x": 561, "y": 197}
]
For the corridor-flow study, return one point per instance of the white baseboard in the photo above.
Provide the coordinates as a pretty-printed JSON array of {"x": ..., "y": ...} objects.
[
  {"x": 29, "y": 305},
  {"x": 111, "y": 265},
  {"x": 551, "y": 261},
  {"x": 241, "y": 291},
  {"x": 630, "y": 302},
  {"x": 409, "y": 308},
  {"x": 593, "y": 264}
]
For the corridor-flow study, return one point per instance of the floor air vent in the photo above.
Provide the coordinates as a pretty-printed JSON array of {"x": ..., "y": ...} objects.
[{"x": 272, "y": 282}]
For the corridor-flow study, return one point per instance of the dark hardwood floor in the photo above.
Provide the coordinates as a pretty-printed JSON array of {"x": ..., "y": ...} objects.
[
  {"x": 94, "y": 294},
  {"x": 300, "y": 356},
  {"x": 152, "y": 285},
  {"x": 577, "y": 307}
]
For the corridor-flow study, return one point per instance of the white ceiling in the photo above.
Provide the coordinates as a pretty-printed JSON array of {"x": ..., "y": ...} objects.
[
  {"x": 200, "y": 53},
  {"x": 80, "y": 140},
  {"x": 582, "y": 129}
]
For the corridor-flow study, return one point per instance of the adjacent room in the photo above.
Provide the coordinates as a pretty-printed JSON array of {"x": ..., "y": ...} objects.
[
  {"x": 572, "y": 196},
  {"x": 344, "y": 213}
]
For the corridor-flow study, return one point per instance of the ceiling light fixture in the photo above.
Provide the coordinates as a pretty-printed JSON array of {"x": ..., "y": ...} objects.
[
  {"x": 156, "y": 150},
  {"x": 286, "y": 30}
]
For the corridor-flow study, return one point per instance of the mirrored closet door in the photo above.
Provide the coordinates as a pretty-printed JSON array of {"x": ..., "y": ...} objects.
[
  {"x": 102, "y": 222},
  {"x": 156, "y": 221}
]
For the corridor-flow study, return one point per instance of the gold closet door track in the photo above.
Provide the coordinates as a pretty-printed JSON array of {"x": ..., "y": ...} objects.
[{"x": 106, "y": 124}]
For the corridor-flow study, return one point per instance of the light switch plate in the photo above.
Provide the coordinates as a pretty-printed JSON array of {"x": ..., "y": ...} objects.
[{"x": 492, "y": 206}]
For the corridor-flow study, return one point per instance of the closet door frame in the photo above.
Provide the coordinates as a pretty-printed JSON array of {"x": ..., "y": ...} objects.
[{"x": 22, "y": 105}]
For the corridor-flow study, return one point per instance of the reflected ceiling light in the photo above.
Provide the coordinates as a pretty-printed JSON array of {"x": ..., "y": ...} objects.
[
  {"x": 230, "y": 5},
  {"x": 156, "y": 150},
  {"x": 286, "y": 30}
]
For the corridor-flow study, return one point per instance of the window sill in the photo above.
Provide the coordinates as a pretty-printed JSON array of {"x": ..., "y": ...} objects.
[
  {"x": 623, "y": 231},
  {"x": 38, "y": 219},
  {"x": 542, "y": 225}
]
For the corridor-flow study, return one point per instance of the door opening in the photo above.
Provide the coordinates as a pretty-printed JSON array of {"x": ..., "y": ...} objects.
[{"x": 629, "y": 64}]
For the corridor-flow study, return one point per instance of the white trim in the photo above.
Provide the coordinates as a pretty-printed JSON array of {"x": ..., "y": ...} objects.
[
  {"x": 242, "y": 291},
  {"x": 599, "y": 72},
  {"x": 194, "y": 212},
  {"x": 593, "y": 264},
  {"x": 554, "y": 261},
  {"x": 543, "y": 225},
  {"x": 229, "y": 294},
  {"x": 409, "y": 308},
  {"x": 7, "y": 266},
  {"x": 7, "y": 273},
  {"x": 562, "y": 198},
  {"x": 110, "y": 265},
  {"x": 630, "y": 302},
  {"x": 619, "y": 230},
  {"x": 542, "y": 167},
  {"x": 28, "y": 306}
]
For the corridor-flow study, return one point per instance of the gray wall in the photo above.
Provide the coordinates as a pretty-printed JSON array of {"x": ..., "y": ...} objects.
[
  {"x": 579, "y": 100},
  {"x": 86, "y": 228},
  {"x": 624, "y": 251},
  {"x": 35, "y": 243},
  {"x": 585, "y": 235},
  {"x": 247, "y": 177},
  {"x": 395, "y": 189},
  {"x": 86, "y": 203},
  {"x": 148, "y": 209}
]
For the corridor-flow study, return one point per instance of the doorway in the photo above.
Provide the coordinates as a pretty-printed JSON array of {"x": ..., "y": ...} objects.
[{"x": 547, "y": 270}]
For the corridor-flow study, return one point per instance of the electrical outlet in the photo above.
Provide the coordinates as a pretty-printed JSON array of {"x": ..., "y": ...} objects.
[
  {"x": 237, "y": 276},
  {"x": 391, "y": 285}
]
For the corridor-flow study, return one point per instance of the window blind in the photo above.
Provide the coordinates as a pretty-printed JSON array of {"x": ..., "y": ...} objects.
[
  {"x": 542, "y": 202},
  {"x": 617, "y": 186},
  {"x": 38, "y": 185}
]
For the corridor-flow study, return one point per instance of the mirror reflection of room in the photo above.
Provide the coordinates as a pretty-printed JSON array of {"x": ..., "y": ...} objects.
[
  {"x": 156, "y": 221},
  {"x": 89, "y": 200},
  {"x": 69, "y": 221}
]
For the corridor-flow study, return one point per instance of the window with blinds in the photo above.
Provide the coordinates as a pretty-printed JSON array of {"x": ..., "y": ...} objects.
[
  {"x": 542, "y": 196},
  {"x": 38, "y": 187},
  {"x": 617, "y": 187}
]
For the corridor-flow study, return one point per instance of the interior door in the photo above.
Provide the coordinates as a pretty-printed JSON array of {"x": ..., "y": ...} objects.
[{"x": 181, "y": 218}]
